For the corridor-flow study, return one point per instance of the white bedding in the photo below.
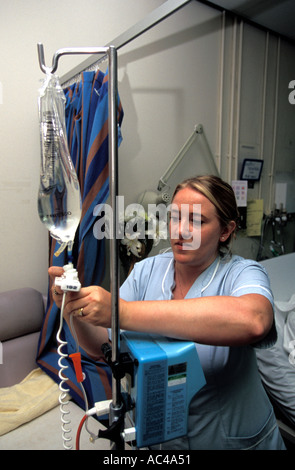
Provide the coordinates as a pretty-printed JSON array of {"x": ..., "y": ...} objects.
[{"x": 277, "y": 364}]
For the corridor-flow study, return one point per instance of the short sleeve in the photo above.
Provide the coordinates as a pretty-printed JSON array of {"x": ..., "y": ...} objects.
[{"x": 249, "y": 277}]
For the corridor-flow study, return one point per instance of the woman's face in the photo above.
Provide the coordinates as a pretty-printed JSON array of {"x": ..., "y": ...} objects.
[{"x": 195, "y": 230}]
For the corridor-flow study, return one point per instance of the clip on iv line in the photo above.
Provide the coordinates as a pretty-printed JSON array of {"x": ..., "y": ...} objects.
[{"x": 69, "y": 280}]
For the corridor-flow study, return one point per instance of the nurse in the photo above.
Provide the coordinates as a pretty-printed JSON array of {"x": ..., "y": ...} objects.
[{"x": 199, "y": 292}]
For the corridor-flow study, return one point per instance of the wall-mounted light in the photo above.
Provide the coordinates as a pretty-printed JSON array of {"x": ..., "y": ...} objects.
[{"x": 162, "y": 195}]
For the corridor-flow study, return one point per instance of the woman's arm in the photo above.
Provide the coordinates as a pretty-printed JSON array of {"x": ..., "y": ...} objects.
[
  {"x": 220, "y": 320},
  {"x": 216, "y": 320},
  {"x": 90, "y": 337}
]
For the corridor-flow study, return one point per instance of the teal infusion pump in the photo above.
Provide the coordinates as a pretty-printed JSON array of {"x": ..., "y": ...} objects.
[{"x": 166, "y": 375}]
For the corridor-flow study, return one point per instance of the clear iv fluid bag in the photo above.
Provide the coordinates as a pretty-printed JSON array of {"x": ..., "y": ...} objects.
[{"x": 59, "y": 199}]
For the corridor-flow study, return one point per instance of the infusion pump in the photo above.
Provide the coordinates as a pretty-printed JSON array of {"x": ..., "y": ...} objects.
[{"x": 162, "y": 378}]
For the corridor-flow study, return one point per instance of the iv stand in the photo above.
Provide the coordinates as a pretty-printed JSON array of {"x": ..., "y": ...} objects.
[{"x": 116, "y": 407}]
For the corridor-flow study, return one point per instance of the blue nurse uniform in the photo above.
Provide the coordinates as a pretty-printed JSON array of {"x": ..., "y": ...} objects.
[{"x": 232, "y": 411}]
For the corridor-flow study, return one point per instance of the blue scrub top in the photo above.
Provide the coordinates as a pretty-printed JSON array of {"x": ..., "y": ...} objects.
[{"x": 232, "y": 410}]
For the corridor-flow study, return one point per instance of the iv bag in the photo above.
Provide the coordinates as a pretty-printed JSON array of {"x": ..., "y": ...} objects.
[{"x": 59, "y": 199}]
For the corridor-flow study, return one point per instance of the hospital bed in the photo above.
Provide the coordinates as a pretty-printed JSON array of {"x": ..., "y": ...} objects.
[{"x": 275, "y": 364}]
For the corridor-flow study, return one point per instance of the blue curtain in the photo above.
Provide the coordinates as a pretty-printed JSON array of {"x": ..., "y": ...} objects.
[{"x": 87, "y": 132}]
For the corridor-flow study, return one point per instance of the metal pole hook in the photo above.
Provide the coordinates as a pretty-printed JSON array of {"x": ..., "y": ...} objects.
[{"x": 66, "y": 51}]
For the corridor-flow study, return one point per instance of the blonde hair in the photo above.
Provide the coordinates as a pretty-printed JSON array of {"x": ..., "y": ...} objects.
[{"x": 221, "y": 195}]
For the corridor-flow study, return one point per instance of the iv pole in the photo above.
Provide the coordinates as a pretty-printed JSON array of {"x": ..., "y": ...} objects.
[{"x": 116, "y": 407}]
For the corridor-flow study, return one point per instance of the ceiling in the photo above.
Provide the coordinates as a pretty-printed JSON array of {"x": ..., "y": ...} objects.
[{"x": 275, "y": 15}]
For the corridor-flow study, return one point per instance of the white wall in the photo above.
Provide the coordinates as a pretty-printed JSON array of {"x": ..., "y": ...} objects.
[
  {"x": 24, "y": 23},
  {"x": 183, "y": 72},
  {"x": 169, "y": 82}
]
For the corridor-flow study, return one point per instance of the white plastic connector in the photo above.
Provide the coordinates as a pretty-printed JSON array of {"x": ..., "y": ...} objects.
[
  {"x": 129, "y": 434},
  {"x": 100, "y": 408},
  {"x": 69, "y": 280}
]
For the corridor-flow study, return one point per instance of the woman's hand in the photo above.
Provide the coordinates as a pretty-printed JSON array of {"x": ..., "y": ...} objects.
[
  {"x": 95, "y": 303},
  {"x": 91, "y": 304}
]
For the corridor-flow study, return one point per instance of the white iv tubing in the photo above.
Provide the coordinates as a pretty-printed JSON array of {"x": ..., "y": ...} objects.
[
  {"x": 93, "y": 436},
  {"x": 63, "y": 400}
]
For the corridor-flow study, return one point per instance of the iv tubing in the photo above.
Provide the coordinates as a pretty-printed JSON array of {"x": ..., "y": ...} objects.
[
  {"x": 79, "y": 431},
  {"x": 63, "y": 391},
  {"x": 92, "y": 435},
  {"x": 100, "y": 408}
]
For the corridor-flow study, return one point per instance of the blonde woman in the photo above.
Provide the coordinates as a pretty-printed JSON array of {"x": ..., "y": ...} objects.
[{"x": 200, "y": 292}]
